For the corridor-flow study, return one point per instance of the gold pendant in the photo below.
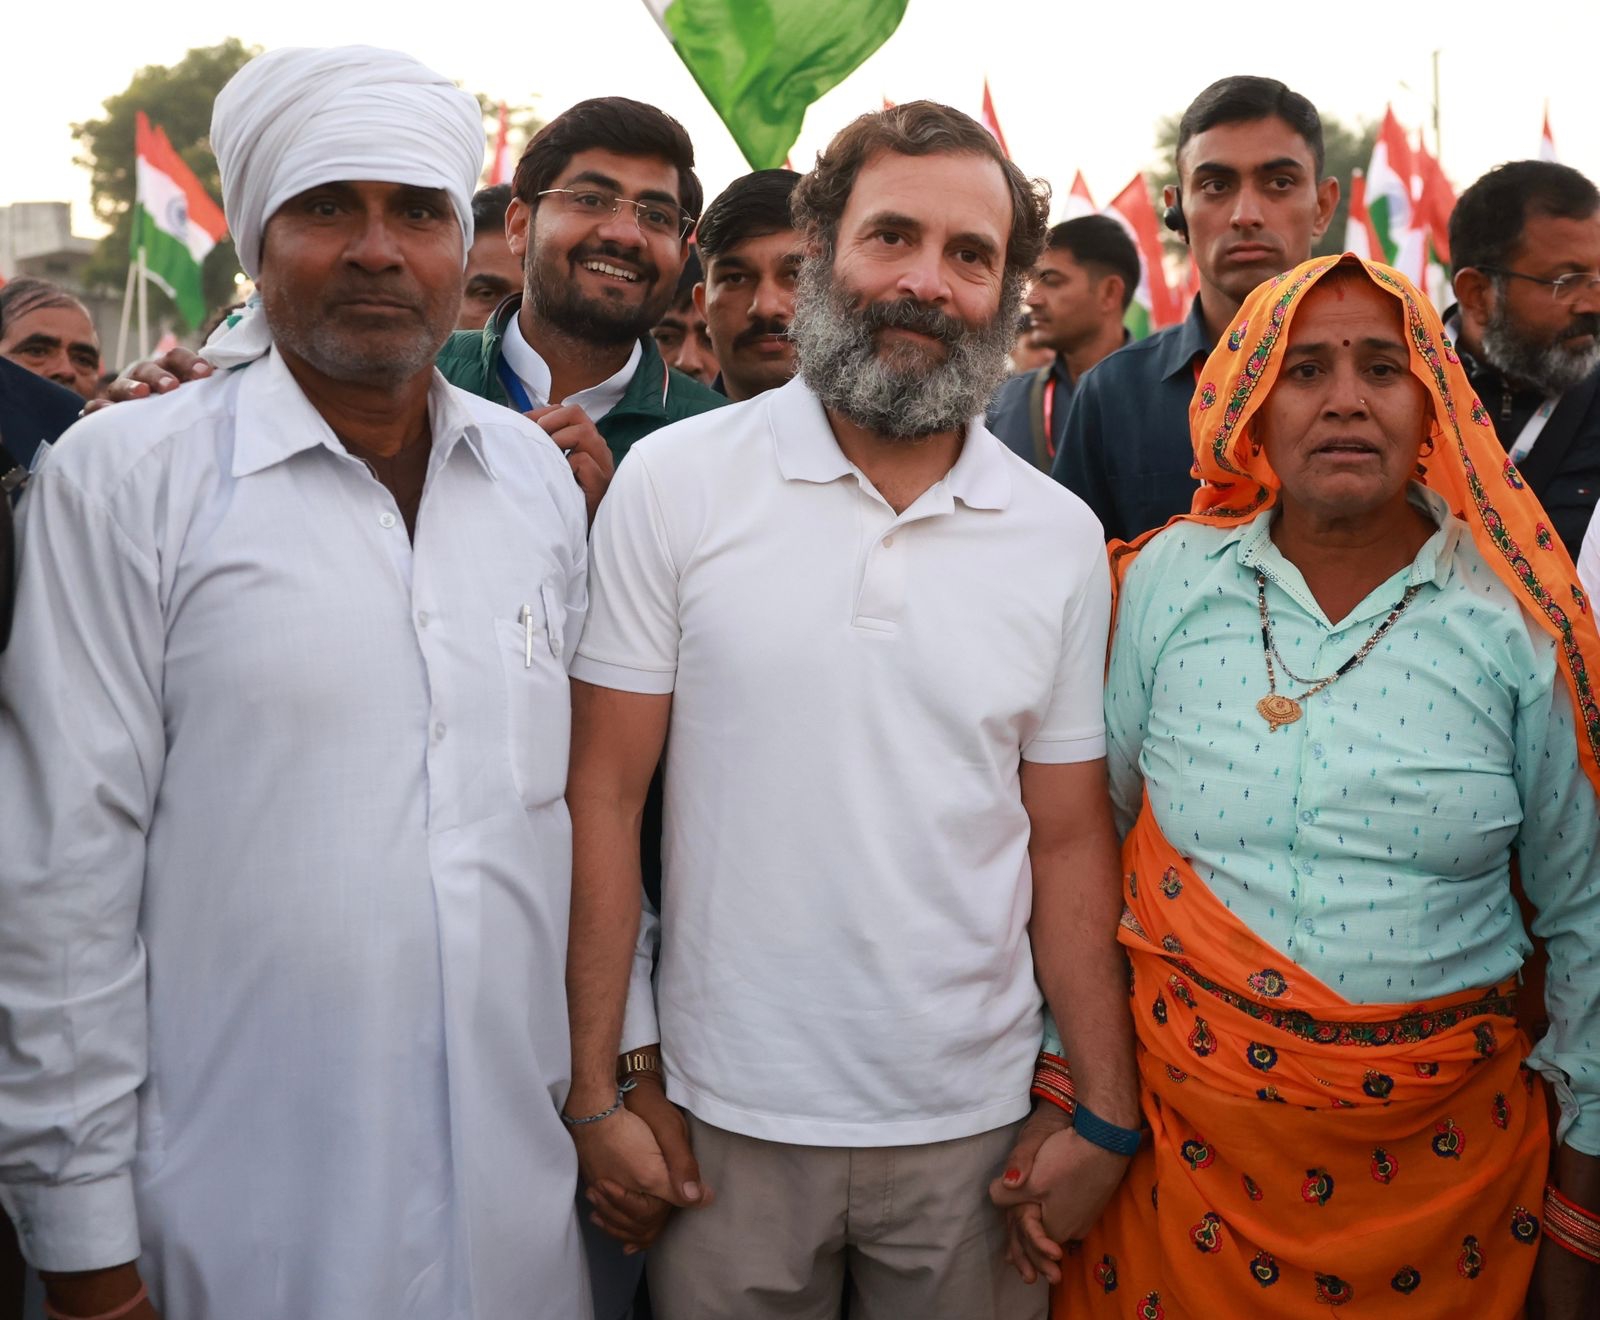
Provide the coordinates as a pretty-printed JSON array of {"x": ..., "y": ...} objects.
[{"x": 1278, "y": 710}]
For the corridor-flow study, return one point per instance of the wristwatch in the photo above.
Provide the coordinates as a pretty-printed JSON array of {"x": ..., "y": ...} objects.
[{"x": 637, "y": 1062}]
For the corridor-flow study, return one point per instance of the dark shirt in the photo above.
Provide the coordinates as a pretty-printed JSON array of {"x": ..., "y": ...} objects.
[
  {"x": 1010, "y": 415},
  {"x": 33, "y": 410},
  {"x": 1563, "y": 469},
  {"x": 1126, "y": 450}
]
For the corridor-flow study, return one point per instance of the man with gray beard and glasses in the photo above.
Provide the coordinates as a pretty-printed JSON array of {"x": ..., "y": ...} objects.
[
  {"x": 1525, "y": 251},
  {"x": 879, "y": 637}
]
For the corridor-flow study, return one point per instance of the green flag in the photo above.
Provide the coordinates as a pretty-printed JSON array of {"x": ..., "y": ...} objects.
[{"x": 762, "y": 62}]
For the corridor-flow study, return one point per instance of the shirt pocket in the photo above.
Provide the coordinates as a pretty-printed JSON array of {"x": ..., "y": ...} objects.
[{"x": 539, "y": 706}]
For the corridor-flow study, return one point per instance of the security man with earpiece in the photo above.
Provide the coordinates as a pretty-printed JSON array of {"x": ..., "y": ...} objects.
[{"x": 1250, "y": 202}]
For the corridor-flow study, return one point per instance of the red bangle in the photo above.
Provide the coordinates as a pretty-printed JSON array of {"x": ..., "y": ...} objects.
[
  {"x": 1053, "y": 1082},
  {"x": 125, "y": 1309},
  {"x": 1570, "y": 1226}
]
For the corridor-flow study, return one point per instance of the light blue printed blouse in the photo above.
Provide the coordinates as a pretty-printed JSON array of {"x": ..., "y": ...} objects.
[{"x": 1371, "y": 840}]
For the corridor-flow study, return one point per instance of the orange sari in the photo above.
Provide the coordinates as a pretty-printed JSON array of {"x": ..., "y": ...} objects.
[{"x": 1304, "y": 1151}]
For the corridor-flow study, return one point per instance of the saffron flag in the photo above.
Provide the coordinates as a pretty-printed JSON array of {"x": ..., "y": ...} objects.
[
  {"x": 1079, "y": 200},
  {"x": 1547, "y": 141},
  {"x": 991, "y": 121},
  {"x": 1154, "y": 305},
  {"x": 762, "y": 62},
  {"x": 1435, "y": 200},
  {"x": 500, "y": 167},
  {"x": 175, "y": 221}
]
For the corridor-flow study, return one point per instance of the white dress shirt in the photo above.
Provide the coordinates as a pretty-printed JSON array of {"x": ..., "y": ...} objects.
[
  {"x": 534, "y": 373},
  {"x": 286, "y": 863},
  {"x": 846, "y": 886}
]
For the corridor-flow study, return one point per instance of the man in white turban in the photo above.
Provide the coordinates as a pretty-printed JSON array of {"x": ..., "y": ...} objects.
[{"x": 283, "y": 739}]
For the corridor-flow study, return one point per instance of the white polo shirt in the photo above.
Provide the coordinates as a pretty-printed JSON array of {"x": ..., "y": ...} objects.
[{"x": 846, "y": 890}]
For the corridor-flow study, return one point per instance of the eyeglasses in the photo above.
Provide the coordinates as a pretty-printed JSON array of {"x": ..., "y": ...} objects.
[
  {"x": 1564, "y": 288},
  {"x": 660, "y": 219}
]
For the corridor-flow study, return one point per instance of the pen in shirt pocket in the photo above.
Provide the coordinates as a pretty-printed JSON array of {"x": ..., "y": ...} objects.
[{"x": 526, "y": 620}]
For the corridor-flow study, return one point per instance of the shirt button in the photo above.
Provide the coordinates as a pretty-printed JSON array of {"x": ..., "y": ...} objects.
[
  {"x": 1309, "y": 926},
  {"x": 1306, "y": 817},
  {"x": 888, "y": 541},
  {"x": 422, "y": 618},
  {"x": 438, "y": 729},
  {"x": 386, "y": 519},
  {"x": 1317, "y": 749}
]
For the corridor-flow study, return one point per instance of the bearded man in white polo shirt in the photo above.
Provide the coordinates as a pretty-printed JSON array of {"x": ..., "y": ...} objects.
[{"x": 879, "y": 639}]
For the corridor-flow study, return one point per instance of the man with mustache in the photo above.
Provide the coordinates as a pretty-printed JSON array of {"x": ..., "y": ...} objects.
[
  {"x": 605, "y": 196},
  {"x": 1525, "y": 261},
  {"x": 283, "y": 733},
  {"x": 752, "y": 254},
  {"x": 1250, "y": 202},
  {"x": 879, "y": 638}
]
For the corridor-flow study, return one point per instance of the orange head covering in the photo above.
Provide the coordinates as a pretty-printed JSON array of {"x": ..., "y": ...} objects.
[{"x": 1466, "y": 464}]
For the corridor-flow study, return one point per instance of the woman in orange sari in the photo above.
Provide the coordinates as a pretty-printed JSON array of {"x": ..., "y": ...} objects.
[{"x": 1344, "y": 692}]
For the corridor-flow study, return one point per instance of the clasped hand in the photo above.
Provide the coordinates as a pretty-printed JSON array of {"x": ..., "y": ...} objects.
[
  {"x": 1053, "y": 1190},
  {"x": 637, "y": 1166}
]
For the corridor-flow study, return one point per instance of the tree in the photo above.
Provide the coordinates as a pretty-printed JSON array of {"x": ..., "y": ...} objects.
[
  {"x": 1345, "y": 147},
  {"x": 178, "y": 98}
]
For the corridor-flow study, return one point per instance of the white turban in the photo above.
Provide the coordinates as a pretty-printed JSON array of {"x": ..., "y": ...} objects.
[{"x": 298, "y": 117}]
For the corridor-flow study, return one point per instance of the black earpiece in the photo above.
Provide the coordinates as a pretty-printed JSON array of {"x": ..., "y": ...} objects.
[{"x": 1172, "y": 217}]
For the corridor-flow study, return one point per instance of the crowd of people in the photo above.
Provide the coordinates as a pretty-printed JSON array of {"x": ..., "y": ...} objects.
[{"x": 567, "y": 763}]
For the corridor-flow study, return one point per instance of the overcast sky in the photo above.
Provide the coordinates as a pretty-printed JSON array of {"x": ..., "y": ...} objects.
[{"x": 1076, "y": 85}]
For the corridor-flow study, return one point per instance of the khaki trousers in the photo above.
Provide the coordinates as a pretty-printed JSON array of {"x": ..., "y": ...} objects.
[{"x": 908, "y": 1231}]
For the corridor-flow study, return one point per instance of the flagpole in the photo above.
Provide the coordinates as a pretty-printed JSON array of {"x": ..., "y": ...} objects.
[
  {"x": 144, "y": 310},
  {"x": 121, "y": 359}
]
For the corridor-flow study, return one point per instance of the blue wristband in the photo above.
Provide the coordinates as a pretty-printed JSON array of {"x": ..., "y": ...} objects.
[{"x": 1108, "y": 1136}]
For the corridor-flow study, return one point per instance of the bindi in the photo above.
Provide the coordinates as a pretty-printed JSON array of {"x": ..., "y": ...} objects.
[{"x": 1347, "y": 343}]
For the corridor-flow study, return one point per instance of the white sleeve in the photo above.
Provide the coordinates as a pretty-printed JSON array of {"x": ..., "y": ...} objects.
[
  {"x": 639, "y": 1027},
  {"x": 82, "y": 752},
  {"x": 630, "y": 641},
  {"x": 1074, "y": 727},
  {"x": 1589, "y": 559}
]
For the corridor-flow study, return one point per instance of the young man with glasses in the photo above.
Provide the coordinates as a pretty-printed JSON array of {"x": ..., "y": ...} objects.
[
  {"x": 1525, "y": 250},
  {"x": 605, "y": 198}
]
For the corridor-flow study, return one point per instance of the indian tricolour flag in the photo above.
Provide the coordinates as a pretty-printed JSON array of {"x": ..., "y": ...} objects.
[
  {"x": 175, "y": 222},
  {"x": 1154, "y": 305},
  {"x": 762, "y": 62}
]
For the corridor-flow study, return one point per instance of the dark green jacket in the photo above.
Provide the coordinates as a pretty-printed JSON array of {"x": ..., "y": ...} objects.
[{"x": 655, "y": 396}]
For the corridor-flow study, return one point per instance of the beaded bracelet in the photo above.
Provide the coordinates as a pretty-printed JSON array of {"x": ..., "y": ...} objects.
[
  {"x": 125, "y": 1309},
  {"x": 1570, "y": 1226},
  {"x": 604, "y": 1113}
]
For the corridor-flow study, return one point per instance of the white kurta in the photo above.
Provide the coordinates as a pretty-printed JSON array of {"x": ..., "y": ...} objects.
[{"x": 284, "y": 872}]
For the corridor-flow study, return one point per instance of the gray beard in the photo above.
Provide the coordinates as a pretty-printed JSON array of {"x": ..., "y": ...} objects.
[
  {"x": 1549, "y": 368},
  {"x": 899, "y": 393},
  {"x": 350, "y": 359}
]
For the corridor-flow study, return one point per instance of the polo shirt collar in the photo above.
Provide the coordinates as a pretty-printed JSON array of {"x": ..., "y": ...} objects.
[
  {"x": 1185, "y": 342},
  {"x": 273, "y": 421},
  {"x": 807, "y": 450}
]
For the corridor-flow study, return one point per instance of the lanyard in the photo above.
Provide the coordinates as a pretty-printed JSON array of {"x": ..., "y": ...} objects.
[
  {"x": 514, "y": 388},
  {"x": 1049, "y": 402},
  {"x": 1531, "y": 430}
]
